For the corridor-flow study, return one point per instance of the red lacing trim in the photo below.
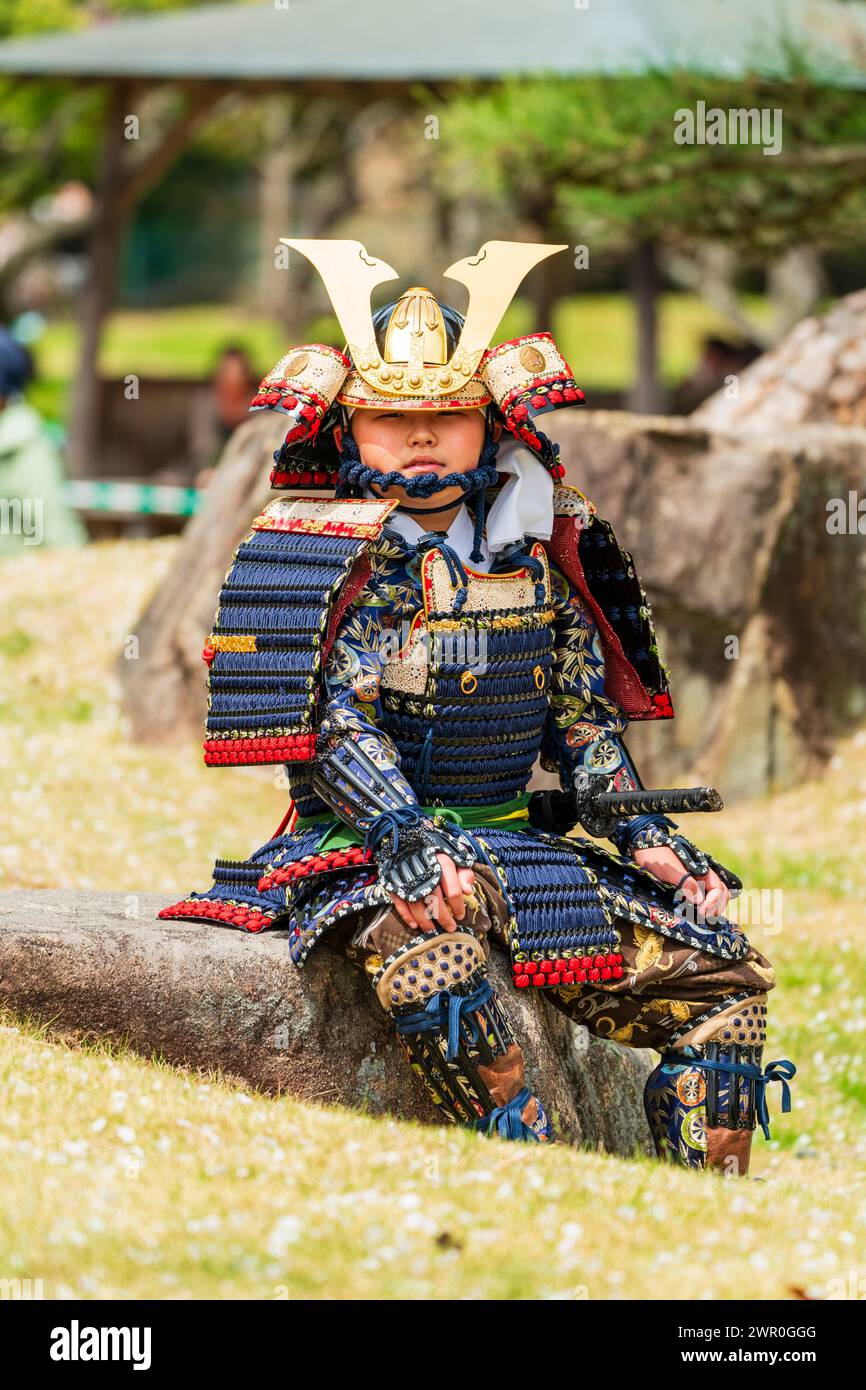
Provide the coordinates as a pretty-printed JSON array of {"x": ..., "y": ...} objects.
[
  {"x": 314, "y": 864},
  {"x": 302, "y": 477},
  {"x": 270, "y": 748},
  {"x": 207, "y": 910},
  {"x": 576, "y": 970},
  {"x": 290, "y": 818},
  {"x": 564, "y": 392}
]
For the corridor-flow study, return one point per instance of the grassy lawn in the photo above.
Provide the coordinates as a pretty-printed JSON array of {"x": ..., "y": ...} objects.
[
  {"x": 124, "y": 1177},
  {"x": 595, "y": 332}
]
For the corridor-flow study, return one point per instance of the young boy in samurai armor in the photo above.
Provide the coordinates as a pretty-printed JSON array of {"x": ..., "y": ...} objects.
[{"x": 407, "y": 645}]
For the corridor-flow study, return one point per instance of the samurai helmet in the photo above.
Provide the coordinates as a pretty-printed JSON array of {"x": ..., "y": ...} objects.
[{"x": 417, "y": 354}]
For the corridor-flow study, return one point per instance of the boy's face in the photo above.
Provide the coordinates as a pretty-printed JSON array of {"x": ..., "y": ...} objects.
[{"x": 418, "y": 441}]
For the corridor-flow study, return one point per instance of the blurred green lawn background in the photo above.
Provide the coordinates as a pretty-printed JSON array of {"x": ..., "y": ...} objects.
[{"x": 595, "y": 332}]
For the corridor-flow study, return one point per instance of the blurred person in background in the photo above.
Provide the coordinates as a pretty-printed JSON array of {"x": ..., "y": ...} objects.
[
  {"x": 33, "y": 511},
  {"x": 720, "y": 362},
  {"x": 234, "y": 382}
]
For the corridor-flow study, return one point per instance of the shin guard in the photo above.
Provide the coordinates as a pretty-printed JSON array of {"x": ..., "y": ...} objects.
[
  {"x": 457, "y": 1036},
  {"x": 704, "y": 1099}
]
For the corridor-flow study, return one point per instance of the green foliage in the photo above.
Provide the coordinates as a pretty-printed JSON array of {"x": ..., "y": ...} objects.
[
  {"x": 50, "y": 131},
  {"x": 596, "y": 158}
]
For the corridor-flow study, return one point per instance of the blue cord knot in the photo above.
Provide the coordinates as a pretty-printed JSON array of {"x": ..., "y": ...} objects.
[
  {"x": 391, "y": 823},
  {"x": 780, "y": 1070},
  {"x": 436, "y": 540},
  {"x": 444, "y": 1014},
  {"x": 507, "y": 1118}
]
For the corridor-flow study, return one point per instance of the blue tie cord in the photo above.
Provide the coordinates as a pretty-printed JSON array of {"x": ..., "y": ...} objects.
[
  {"x": 456, "y": 571},
  {"x": 422, "y": 767},
  {"x": 444, "y": 1014},
  {"x": 781, "y": 1070},
  {"x": 391, "y": 823},
  {"x": 638, "y": 823},
  {"x": 480, "y": 500},
  {"x": 507, "y": 1119}
]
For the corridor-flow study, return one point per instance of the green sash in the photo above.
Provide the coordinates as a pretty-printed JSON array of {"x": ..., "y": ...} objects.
[{"x": 512, "y": 813}]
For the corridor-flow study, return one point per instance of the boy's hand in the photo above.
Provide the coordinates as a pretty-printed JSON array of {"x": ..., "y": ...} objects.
[
  {"x": 442, "y": 909},
  {"x": 708, "y": 894}
]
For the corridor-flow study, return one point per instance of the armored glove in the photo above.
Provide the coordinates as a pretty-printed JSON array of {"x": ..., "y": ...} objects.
[
  {"x": 406, "y": 849},
  {"x": 659, "y": 831},
  {"x": 649, "y": 831}
]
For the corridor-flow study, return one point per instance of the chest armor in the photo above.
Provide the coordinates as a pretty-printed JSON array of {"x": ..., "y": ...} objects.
[{"x": 465, "y": 697}]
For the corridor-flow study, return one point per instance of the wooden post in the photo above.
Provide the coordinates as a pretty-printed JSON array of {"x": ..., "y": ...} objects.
[
  {"x": 647, "y": 394},
  {"x": 99, "y": 287}
]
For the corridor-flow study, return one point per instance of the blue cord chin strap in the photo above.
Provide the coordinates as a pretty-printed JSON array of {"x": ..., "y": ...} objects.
[{"x": 353, "y": 473}]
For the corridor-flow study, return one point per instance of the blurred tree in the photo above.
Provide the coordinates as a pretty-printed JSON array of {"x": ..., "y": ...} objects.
[
  {"x": 595, "y": 162},
  {"x": 52, "y": 132},
  {"x": 55, "y": 132}
]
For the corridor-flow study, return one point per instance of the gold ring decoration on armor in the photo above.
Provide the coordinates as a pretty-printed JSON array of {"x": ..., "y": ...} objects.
[
  {"x": 468, "y": 683},
  {"x": 539, "y": 678}
]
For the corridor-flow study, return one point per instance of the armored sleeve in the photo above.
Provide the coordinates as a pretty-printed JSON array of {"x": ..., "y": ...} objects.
[{"x": 583, "y": 734}]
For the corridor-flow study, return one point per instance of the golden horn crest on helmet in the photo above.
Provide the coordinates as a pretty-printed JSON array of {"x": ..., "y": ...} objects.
[
  {"x": 492, "y": 277},
  {"x": 350, "y": 275}
]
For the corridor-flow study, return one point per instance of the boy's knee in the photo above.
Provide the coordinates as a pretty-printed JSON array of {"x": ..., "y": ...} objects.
[{"x": 743, "y": 1021}]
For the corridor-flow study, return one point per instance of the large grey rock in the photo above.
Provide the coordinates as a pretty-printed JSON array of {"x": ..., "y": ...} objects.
[
  {"x": 760, "y": 607},
  {"x": 816, "y": 373},
  {"x": 207, "y": 996}
]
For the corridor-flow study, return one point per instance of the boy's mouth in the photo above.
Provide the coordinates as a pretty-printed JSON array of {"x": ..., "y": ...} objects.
[{"x": 423, "y": 462}]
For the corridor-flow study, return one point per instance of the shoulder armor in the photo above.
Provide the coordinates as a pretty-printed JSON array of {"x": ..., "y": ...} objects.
[
  {"x": 303, "y": 386},
  {"x": 289, "y": 583},
  {"x": 570, "y": 501},
  {"x": 586, "y": 549}
]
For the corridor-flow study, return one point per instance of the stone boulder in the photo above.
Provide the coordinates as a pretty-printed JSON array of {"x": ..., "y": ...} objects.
[
  {"x": 816, "y": 373},
  {"x": 101, "y": 964},
  {"x": 760, "y": 605}
]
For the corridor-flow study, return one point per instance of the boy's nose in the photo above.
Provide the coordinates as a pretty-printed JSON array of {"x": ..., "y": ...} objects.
[{"x": 421, "y": 429}]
